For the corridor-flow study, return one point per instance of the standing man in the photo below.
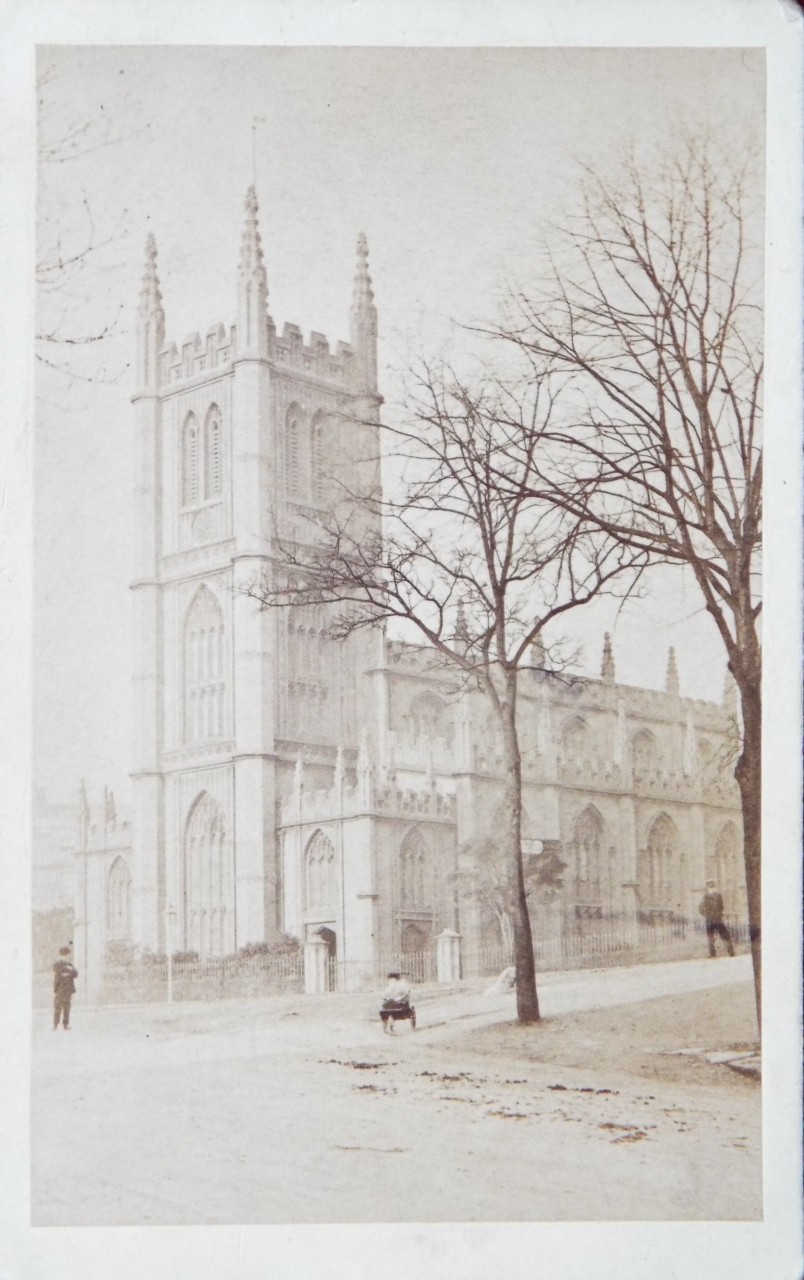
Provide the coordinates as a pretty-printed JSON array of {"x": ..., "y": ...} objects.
[
  {"x": 64, "y": 976},
  {"x": 711, "y": 908}
]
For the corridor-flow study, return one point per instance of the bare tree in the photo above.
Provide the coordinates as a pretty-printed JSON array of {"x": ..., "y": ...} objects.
[
  {"x": 653, "y": 306},
  {"x": 71, "y": 245},
  {"x": 470, "y": 561},
  {"x": 482, "y": 878}
]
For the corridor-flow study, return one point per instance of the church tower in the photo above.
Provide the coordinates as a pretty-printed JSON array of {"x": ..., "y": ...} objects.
[
  {"x": 239, "y": 434},
  {"x": 148, "y": 853}
]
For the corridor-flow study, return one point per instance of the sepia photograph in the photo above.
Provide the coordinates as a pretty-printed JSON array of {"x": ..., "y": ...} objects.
[{"x": 396, "y": 640}]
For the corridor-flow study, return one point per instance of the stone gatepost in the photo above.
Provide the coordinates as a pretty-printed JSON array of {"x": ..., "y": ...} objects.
[
  {"x": 448, "y": 956},
  {"x": 316, "y": 958}
]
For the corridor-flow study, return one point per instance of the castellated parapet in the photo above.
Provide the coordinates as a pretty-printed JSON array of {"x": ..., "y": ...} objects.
[
  {"x": 351, "y": 366},
  {"x": 325, "y": 804},
  {"x": 197, "y": 357}
]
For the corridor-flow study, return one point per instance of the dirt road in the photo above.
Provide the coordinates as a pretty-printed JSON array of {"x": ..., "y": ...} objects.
[{"x": 300, "y": 1110}]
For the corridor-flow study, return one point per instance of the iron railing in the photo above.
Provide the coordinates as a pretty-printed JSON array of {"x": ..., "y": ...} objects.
[
  {"x": 608, "y": 943},
  {"x": 598, "y": 943}
]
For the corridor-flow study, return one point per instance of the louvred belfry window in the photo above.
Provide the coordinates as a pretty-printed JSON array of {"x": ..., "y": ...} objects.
[
  {"x": 190, "y": 452},
  {"x": 202, "y": 458},
  {"x": 212, "y": 454}
]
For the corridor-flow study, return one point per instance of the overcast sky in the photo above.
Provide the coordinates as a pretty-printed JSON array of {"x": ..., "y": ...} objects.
[{"x": 453, "y": 162}]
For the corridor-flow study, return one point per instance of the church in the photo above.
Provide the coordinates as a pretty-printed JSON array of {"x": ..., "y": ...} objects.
[{"x": 284, "y": 782}]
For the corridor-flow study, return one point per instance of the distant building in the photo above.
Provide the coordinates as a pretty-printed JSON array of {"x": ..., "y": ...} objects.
[
  {"x": 52, "y": 845},
  {"x": 284, "y": 782}
]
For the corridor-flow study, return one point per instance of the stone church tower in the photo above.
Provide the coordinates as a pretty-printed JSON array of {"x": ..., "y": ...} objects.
[
  {"x": 242, "y": 437},
  {"x": 283, "y": 781}
]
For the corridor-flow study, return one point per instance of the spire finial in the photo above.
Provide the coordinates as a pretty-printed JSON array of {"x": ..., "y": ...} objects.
[
  {"x": 607, "y": 663},
  {"x": 151, "y": 319},
  {"x": 363, "y": 319},
  {"x": 363, "y": 294},
  {"x": 252, "y": 293},
  {"x": 671, "y": 683},
  {"x": 461, "y": 626},
  {"x": 252, "y": 263},
  {"x": 150, "y": 293}
]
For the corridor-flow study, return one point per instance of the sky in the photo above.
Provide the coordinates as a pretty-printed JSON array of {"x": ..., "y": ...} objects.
[{"x": 455, "y": 162}]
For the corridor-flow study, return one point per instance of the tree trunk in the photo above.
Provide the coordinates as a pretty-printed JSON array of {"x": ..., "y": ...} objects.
[
  {"x": 527, "y": 1000},
  {"x": 749, "y": 779}
]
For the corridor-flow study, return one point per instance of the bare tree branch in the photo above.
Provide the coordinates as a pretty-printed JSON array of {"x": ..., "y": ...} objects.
[
  {"x": 654, "y": 313},
  {"x": 474, "y": 554}
]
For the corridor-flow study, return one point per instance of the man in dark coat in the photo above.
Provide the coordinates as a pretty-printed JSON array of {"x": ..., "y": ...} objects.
[
  {"x": 711, "y": 908},
  {"x": 64, "y": 976}
]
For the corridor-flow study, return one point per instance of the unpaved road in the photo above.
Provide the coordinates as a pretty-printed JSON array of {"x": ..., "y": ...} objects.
[{"x": 302, "y": 1111}]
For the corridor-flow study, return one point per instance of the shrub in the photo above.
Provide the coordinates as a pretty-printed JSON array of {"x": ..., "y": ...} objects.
[{"x": 285, "y": 945}]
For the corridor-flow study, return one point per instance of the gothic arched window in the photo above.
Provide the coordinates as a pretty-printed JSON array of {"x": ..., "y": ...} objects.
[
  {"x": 725, "y": 866},
  {"x": 208, "y": 881},
  {"x": 587, "y": 844},
  {"x": 643, "y": 754},
  {"x": 659, "y": 878},
  {"x": 212, "y": 454},
  {"x": 413, "y": 872},
  {"x": 204, "y": 681},
  {"x": 190, "y": 452},
  {"x": 118, "y": 895},
  {"x": 428, "y": 717},
  {"x": 321, "y": 880},
  {"x": 575, "y": 739}
]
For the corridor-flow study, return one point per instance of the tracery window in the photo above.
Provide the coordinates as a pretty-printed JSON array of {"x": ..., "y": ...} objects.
[
  {"x": 413, "y": 872},
  {"x": 312, "y": 673},
  {"x": 204, "y": 681},
  {"x": 724, "y": 867},
  {"x": 643, "y": 754},
  {"x": 321, "y": 880},
  {"x": 587, "y": 841},
  {"x": 428, "y": 717},
  {"x": 658, "y": 877},
  {"x": 118, "y": 896},
  {"x": 575, "y": 739},
  {"x": 208, "y": 881}
]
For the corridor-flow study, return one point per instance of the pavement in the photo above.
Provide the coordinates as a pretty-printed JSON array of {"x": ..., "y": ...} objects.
[{"x": 194, "y": 1031}]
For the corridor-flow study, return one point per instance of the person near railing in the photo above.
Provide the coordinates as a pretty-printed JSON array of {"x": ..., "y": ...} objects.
[{"x": 711, "y": 908}]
